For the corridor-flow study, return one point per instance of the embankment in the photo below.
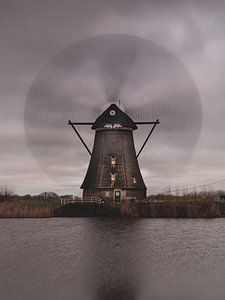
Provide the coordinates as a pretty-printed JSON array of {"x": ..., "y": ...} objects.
[
  {"x": 24, "y": 210},
  {"x": 155, "y": 208}
]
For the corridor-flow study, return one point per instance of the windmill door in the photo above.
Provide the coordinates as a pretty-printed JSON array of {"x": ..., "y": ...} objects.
[{"x": 117, "y": 196}]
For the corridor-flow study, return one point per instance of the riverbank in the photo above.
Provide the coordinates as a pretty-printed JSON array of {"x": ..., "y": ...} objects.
[
  {"x": 179, "y": 208},
  {"x": 172, "y": 207},
  {"x": 25, "y": 209}
]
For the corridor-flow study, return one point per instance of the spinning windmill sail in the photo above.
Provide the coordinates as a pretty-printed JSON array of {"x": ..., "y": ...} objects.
[{"x": 83, "y": 80}]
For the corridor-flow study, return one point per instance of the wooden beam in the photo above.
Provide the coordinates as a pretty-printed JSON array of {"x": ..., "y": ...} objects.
[
  {"x": 82, "y": 141},
  {"x": 142, "y": 147}
]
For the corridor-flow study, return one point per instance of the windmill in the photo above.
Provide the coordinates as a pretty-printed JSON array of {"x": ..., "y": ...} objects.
[
  {"x": 85, "y": 79},
  {"x": 113, "y": 173}
]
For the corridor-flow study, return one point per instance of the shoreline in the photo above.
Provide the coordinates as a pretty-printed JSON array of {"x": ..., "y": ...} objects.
[{"x": 171, "y": 209}]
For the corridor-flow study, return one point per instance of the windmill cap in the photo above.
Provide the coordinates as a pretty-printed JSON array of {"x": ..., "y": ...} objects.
[{"x": 114, "y": 115}]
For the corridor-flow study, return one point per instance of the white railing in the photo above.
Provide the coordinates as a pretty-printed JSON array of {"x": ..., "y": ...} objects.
[{"x": 85, "y": 200}]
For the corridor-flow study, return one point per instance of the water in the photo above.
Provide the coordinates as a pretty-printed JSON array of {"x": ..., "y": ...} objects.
[{"x": 106, "y": 258}]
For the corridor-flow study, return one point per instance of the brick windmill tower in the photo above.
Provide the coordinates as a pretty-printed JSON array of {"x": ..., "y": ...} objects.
[{"x": 113, "y": 173}]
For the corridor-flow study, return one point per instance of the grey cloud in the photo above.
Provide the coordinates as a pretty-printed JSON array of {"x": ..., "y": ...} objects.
[{"x": 34, "y": 31}]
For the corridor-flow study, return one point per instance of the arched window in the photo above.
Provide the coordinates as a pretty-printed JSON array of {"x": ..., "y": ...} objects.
[
  {"x": 113, "y": 161},
  {"x": 113, "y": 177}
]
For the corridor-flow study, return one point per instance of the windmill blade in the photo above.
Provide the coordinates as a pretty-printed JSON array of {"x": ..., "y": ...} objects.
[
  {"x": 179, "y": 109},
  {"x": 115, "y": 57},
  {"x": 81, "y": 81}
]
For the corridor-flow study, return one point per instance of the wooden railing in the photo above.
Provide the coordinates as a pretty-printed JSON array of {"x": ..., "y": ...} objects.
[{"x": 85, "y": 200}]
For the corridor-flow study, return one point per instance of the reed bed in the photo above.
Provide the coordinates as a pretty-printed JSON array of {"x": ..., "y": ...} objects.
[{"x": 21, "y": 210}]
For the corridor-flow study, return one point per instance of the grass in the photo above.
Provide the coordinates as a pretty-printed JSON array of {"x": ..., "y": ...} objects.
[
  {"x": 196, "y": 205},
  {"x": 27, "y": 209}
]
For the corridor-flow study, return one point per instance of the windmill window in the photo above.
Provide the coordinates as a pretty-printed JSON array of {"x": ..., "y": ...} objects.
[
  {"x": 108, "y": 126},
  {"x": 116, "y": 125},
  {"x": 112, "y": 112},
  {"x": 113, "y": 161},
  {"x": 113, "y": 177},
  {"x": 134, "y": 180}
]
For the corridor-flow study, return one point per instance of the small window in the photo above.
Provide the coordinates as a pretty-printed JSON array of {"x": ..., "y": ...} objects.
[
  {"x": 112, "y": 112},
  {"x": 116, "y": 125},
  {"x": 134, "y": 180},
  {"x": 108, "y": 126},
  {"x": 113, "y": 177},
  {"x": 113, "y": 161}
]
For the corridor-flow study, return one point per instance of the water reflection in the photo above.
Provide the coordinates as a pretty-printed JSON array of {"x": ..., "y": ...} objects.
[
  {"x": 160, "y": 259},
  {"x": 110, "y": 254},
  {"x": 106, "y": 258}
]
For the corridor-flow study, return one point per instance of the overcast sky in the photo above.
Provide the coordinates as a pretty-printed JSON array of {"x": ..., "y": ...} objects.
[{"x": 32, "y": 32}]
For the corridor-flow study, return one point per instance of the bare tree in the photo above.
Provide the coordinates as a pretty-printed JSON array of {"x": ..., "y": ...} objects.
[{"x": 5, "y": 193}]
